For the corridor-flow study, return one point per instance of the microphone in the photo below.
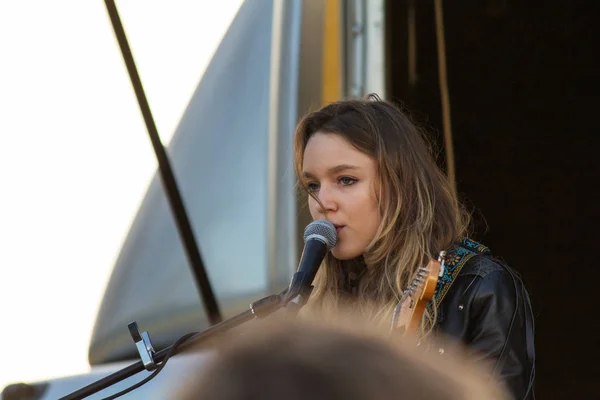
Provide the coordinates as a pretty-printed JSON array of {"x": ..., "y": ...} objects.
[{"x": 319, "y": 237}]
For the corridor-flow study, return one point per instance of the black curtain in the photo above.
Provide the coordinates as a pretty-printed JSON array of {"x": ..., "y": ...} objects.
[{"x": 524, "y": 82}]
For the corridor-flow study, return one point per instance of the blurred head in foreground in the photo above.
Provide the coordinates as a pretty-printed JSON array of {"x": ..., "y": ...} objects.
[{"x": 310, "y": 359}]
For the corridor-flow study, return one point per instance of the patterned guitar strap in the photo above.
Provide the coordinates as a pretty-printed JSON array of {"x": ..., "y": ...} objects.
[{"x": 456, "y": 257}]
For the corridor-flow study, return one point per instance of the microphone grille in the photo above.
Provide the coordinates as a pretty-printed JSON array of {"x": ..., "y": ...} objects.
[{"x": 323, "y": 230}]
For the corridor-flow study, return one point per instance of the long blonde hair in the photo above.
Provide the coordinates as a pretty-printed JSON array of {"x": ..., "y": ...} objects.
[{"x": 420, "y": 212}]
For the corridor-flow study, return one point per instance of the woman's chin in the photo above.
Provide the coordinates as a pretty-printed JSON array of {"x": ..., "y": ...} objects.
[{"x": 342, "y": 253}]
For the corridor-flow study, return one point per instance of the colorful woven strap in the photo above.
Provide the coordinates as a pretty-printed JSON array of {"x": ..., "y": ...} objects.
[{"x": 457, "y": 256}]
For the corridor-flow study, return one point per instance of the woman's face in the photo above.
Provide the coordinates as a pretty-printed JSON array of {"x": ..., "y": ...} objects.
[{"x": 344, "y": 179}]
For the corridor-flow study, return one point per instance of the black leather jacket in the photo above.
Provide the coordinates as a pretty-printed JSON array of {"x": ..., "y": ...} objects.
[{"x": 487, "y": 308}]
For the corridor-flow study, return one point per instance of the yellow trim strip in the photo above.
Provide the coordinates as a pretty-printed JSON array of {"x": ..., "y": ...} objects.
[{"x": 331, "y": 85}]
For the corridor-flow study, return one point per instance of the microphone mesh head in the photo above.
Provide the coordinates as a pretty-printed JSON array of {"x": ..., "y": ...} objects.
[{"x": 323, "y": 230}]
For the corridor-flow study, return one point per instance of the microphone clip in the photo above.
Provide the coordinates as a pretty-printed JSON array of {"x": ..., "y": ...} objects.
[
  {"x": 297, "y": 295},
  {"x": 144, "y": 346}
]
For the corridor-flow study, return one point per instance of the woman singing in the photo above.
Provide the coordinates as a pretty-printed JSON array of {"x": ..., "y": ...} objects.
[{"x": 368, "y": 170}]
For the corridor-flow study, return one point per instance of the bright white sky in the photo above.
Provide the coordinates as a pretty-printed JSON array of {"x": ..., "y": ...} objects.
[{"x": 75, "y": 157}]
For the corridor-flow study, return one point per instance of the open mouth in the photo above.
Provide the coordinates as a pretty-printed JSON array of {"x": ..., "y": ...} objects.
[{"x": 338, "y": 228}]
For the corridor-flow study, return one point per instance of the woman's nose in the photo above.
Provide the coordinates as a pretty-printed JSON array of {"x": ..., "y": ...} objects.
[{"x": 327, "y": 199}]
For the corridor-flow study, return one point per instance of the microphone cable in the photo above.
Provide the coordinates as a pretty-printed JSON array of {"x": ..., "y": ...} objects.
[{"x": 174, "y": 347}]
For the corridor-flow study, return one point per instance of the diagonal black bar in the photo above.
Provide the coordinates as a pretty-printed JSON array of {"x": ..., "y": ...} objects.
[{"x": 166, "y": 173}]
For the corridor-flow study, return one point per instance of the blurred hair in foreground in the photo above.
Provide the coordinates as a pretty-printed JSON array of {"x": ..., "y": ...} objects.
[{"x": 321, "y": 356}]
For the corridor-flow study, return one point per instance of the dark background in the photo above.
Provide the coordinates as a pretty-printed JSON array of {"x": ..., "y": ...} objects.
[{"x": 524, "y": 80}]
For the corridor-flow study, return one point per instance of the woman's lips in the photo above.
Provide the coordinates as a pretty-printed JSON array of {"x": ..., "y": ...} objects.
[{"x": 339, "y": 228}]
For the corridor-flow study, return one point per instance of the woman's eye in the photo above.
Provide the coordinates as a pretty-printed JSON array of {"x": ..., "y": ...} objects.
[
  {"x": 312, "y": 187},
  {"x": 347, "y": 181}
]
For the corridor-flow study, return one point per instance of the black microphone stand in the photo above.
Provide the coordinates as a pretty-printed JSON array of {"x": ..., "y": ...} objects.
[{"x": 293, "y": 299}]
